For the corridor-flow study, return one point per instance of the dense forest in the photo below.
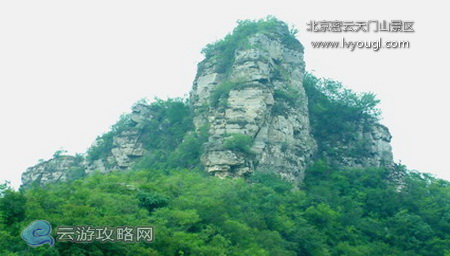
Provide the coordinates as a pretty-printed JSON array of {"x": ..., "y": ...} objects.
[{"x": 334, "y": 211}]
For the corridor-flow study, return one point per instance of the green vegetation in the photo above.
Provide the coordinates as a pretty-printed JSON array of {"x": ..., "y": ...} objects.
[
  {"x": 337, "y": 212},
  {"x": 3, "y": 187},
  {"x": 239, "y": 142},
  {"x": 161, "y": 135},
  {"x": 104, "y": 143},
  {"x": 284, "y": 99},
  {"x": 188, "y": 153},
  {"x": 221, "y": 93},
  {"x": 336, "y": 113},
  {"x": 224, "y": 50},
  {"x": 170, "y": 121},
  {"x": 151, "y": 200},
  {"x": 169, "y": 137},
  {"x": 102, "y": 147},
  {"x": 325, "y": 94},
  {"x": 353, "y": 212},
  {"x": 59, "y": 152},
  {"x": 288, "y": 95},
  {"x": 76, "y": 173}
]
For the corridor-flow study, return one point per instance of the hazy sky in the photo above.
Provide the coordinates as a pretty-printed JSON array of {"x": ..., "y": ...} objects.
[{"x": 68, "y": 69}]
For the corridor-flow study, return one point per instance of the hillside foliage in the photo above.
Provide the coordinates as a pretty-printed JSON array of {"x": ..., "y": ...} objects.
[
  {"x": 336, "y": 212},
  {"x": 224, "y": 50},
  {"x": 336, "y": 113}
]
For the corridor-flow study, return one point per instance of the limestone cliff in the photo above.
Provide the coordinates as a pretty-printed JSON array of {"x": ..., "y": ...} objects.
[
  {"x": 369, "y": 146},
  {"x": 251, "y": 98},
  {"x": 126, "y": 144},
  {"x": 116, "y": 151},
  {"x": 260, "y": 96},
  {"x": 59, "y": 168}
]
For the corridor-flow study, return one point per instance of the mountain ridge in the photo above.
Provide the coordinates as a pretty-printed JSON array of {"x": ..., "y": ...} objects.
[{"x": 259, "y": 109}]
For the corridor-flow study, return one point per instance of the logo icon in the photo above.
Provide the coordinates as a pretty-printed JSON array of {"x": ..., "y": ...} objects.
[{"x": 38, "y": 233}]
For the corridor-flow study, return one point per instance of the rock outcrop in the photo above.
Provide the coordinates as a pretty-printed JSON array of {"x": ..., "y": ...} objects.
[
  {"x": 122, "y": 150},
  {"x": 59, "y": 168},
  {"x": 260, "y": 96},
  {"x": 369, "y": 147},
  {"x": 126, "y": 147},
  {"x": 250, "y": 98}
]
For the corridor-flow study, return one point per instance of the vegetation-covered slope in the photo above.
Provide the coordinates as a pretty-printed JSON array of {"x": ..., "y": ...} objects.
[{"x": 336, "y": 212}]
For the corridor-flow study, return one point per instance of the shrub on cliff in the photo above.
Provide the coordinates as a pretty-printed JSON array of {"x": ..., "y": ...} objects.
[
  {"x": 239, "y": 142},
  {"x": 223, "y": 50}
]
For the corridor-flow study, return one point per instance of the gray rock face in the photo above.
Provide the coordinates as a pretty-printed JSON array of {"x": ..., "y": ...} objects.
[
  {"x": 61, "y": 168},
  {"x": 266, "y": 102},
  {"x": 255, "y": 110},
  {"x": 126, "y": 147},
  {"x": 262, "y": 96},
  {"x": 370, "y": 147},
  {"x": 141, "y": 112}
]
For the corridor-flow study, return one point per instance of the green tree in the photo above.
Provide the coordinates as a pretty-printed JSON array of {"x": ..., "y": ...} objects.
[
  {"x": 12, "y": 207},
  {"x": 239, "y": 142}
]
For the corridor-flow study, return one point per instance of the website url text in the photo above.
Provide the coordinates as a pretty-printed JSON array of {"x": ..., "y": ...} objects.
[{"x": 352, "y": 45}]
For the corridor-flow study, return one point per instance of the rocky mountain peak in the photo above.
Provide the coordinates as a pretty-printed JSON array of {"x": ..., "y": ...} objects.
[
  {"x": 252, "y": 108},
  {"x": 256, "y": 107}
]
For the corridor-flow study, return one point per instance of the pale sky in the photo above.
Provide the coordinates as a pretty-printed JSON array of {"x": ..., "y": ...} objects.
[{"x": 68, "y": 69}]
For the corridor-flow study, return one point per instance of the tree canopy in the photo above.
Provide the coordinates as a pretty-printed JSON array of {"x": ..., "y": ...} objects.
[
  {"x": 336, "y": 212},
  {"x": 223, "y": 50}
]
